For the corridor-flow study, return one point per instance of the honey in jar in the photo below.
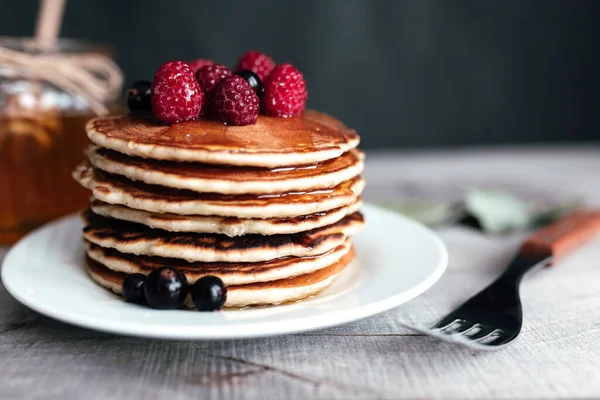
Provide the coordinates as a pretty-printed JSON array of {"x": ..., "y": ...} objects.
[{"x": 42, "y": 136}]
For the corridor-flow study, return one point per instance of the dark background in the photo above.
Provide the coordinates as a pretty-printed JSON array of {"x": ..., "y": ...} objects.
[{"x": 419, "y": 73}]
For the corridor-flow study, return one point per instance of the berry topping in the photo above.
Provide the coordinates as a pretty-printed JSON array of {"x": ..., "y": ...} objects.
[
  {"x": 138, "y": 96},
  {"x": 234, "y": 102},
  {"x": 133, "y": 288},
  {"x": 209, "y": 76},
  {"x": 253, "y": 80},
  {"x": 285, "y": 92},
  {"x": 165, "y": 288},
  {"x": 209, "y": 293},
  {"x": 176, "y": 95},
  {"x": 257, "y": 62},
  {"x": 195, "y": 65}
]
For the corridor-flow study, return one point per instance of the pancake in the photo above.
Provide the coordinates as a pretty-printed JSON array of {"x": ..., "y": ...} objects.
[
  {"x": 229, "y": 226},
  {"x": 270, "y": 142},
  {"x": 273, "y": 292},
  {"x": 115, "y": 189},
  {"x": 128, "y": 237},
  {"x": 231, "y": 273},
  {"x": 206, "y": 178}
]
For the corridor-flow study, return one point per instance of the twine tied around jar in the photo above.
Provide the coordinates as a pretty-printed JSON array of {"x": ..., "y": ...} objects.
[{"x": 93, "y": 76}]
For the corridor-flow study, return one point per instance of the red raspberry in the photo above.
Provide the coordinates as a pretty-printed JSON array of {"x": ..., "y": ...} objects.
[
  {"x": 209, "y": 76},
  {"x": 176, "y": 96},
  {"x": 257, "y": 62},
  {"x": 285, "y": 92},
  {"x": 234, "y": 102},
  {"x": 195, "y": 65}
]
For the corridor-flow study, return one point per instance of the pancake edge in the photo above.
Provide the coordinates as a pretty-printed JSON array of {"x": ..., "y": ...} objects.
[
  {"x": 84, "y": 173},
  {"x": 265, "y": 293},
  {"x": 230, "y": 273},
  {"x": 217, "y": 224},
  {"x": 323, "y": 240},
  {"x": 222, "y": 185},
  {"x": 255, "y": 159}
]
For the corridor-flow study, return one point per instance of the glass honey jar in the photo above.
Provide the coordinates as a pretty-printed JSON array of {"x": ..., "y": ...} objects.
[{"x": 47, "y": 94}]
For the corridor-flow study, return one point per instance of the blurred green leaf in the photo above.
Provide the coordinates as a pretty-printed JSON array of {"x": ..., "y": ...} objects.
[
  {"x": 493, "y": 211},
  {"x": 498, "y": 212}
]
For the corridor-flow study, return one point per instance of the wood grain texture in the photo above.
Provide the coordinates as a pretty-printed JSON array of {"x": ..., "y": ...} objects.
[{"x": 557, "y": 355}]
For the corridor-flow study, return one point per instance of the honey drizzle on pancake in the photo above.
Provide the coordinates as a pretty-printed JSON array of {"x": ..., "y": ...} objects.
[{"x": 311, "y": 132}]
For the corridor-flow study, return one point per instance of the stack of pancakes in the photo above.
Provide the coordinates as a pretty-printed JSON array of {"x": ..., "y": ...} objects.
[{"x": 269, "y": 207}]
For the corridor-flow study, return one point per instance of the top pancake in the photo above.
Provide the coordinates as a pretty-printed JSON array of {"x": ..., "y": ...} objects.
[{"x": 270, "y": 142}]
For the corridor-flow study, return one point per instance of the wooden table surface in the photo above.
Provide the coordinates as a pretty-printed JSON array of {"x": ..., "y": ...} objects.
[{"x": 556, "y": 356}]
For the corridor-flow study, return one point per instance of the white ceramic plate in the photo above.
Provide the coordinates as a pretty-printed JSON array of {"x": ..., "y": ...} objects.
[{"x": 397, "y": 259}]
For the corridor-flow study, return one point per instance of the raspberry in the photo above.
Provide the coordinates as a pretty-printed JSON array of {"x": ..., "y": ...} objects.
[
  {"x": 285, "y": 92},
  {"x": 195, "y": 65},
  {"x": 234, "y": 102},
  {"x": 176, "y": 96},
  {"x": 210, "y": 75},
  {"x": 257, "y": 62}
]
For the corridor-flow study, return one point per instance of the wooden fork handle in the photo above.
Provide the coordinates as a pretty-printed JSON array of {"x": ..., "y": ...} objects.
[{"x": 562, "y": 236}]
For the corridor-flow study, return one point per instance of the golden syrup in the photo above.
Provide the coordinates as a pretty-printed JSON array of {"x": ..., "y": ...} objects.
[{"x": 37, "y": 155}]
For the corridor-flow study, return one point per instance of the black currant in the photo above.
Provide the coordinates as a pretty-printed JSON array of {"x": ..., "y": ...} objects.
[
  {"x": 138, "y": 96},
  {"x": 209, "y": 293},
  {"x": 253, "y": 80},
  {"x": 133, "y": 288},
  {"x": 165, "y": 288}
]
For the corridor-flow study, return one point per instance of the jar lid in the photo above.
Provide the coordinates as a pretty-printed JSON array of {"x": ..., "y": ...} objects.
[{"x": 80, "y": 68}]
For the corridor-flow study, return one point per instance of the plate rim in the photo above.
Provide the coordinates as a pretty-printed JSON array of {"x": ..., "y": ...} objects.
[{"x": 322, "y": 320}]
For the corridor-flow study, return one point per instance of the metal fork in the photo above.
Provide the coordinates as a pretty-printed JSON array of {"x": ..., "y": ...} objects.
[{"x": 494, "y": 317}]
